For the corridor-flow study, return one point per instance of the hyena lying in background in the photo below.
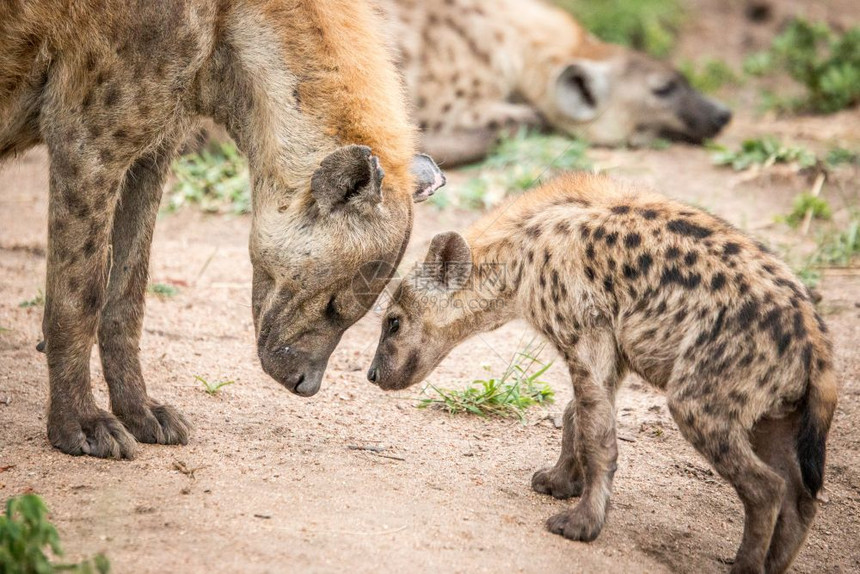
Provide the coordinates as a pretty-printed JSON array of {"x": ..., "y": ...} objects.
[
  {"x": 476, "y": 68},
  {"x": 621, "y": 280}
]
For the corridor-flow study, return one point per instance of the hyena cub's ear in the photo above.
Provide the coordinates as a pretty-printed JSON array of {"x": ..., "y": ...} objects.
[
  {"x": 582, "y": 88},
  {"x": 428, "y": 177},
  {"x": 349, "y": 176},
  {"x": 449, "y": 261}
]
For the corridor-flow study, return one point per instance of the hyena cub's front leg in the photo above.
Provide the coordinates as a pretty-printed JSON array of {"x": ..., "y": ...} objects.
[
  {"x": 122, "y": 316},
  {"x": 595, "y": 372},
  {"x": 563, "y": 480}
]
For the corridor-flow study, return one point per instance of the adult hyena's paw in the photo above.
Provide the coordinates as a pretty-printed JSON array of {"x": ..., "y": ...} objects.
[
  {"x": 99, "y": 434},
  {"x": 157, "y": 423},
  {"x": 575, "y": 524},
  {"x": 557, "y": 484}
]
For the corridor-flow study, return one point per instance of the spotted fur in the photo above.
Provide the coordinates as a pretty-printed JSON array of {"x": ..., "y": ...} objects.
[
  {"x": 623, "y": 280},
  {"x": 308, "y": 91},
  {"x": 476, "y": 69}
]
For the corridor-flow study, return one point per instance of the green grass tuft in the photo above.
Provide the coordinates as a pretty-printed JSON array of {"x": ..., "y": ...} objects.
[
  {"x": 709, "y": 75},
  {"x": 26, "y": 535},
  {"x": 803, "y": 203},
  {"x": 518, "y": 163},
  {"x": 764, "y": 151},
  {"x": 163, "y": 290},
  {"x": 37, "y": 301},
  {"x": 212, "y": 388},
  {"x": 518, "y": 388},
  {"x": 649, "y": 25},
  {"x": 216, "y": 179},
  {"x": 823, "y": 61}
]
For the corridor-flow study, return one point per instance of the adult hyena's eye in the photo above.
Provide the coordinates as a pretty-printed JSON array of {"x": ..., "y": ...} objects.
[
  {"x": 666, "y": 89},
  {"x": 393, "y": 325}
]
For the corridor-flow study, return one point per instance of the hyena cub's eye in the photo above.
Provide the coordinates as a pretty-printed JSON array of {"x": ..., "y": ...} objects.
[{"x": 393, "y": 325}]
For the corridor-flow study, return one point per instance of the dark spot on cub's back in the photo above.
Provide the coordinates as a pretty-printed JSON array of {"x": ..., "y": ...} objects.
[{"x": 688, "y": 229}]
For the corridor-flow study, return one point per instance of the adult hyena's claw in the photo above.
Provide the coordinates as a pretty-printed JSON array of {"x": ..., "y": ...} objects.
[{"x": 100, "y": 435}]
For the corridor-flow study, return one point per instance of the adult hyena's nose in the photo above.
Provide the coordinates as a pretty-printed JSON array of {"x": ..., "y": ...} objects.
[
  {"x": 724, "y": 116},
  {"x": 373, "y": 374}
]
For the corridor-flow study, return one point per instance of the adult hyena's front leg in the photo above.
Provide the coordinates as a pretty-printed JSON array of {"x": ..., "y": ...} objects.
[
  {"x": 595, "y": 371},
  {"x": 82, "y": 202},
  {"x": 122, "y": 316},
  {"x": 563, "y": 480}
]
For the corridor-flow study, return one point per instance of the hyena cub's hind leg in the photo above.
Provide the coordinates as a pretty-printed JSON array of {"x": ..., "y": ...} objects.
[
  {"x": 563, "y": 480},
  {"x": 122, "y": 316},
  {"x": 726, "y": 445},
  {"x": 774, "y": 441}
]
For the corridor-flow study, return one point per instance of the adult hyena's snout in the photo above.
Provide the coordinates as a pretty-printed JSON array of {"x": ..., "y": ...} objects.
[
  {"x": 703, "y": 117},
  {"x": 298, "y": 371}
]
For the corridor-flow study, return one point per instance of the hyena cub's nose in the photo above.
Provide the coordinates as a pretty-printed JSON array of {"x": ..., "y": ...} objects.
[
  {"x": 724, "y": 117},
  {"x": 373, "y": 374}
]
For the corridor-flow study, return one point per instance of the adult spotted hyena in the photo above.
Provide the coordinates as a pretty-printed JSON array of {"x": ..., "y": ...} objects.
[
  {"x": 619, "y": 280},
  {"x": 475, "y": 68},
  {"x": 307, "y": 90}
]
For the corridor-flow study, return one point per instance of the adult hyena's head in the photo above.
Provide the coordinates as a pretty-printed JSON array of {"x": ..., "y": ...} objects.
[
  {"x": 321, "y": 260},
  {"x": 630, "y": 98},
  {"x": 426, "y": 317}
]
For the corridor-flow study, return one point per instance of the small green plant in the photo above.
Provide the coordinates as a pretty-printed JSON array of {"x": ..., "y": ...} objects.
[
  {"x": 212, "y": 388},
  {"x": 841, "y": 156},
  {"x": 710, "y": 75},
  {"x": 518, "y": 388},
  {"x": 216, "y": 179},
  {"x": 824, "y": 62},
  {"x": 25, "y": 536},
  {"x": 163, "y": 290},
  {"x": 37, "y": 301},
  {"x": 764, "y": 152},
  {"x": 650, "y": 25},
  {"x": 518, "y": 163},
  {"x": 804, "y": 203},
  {"x": 840, "y": 248}
]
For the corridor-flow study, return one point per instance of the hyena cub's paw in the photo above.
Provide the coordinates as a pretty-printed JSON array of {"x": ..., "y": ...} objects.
[
  {"x": 575, "y": 524},
  {"x": 98, "y": 434},
  {"x": 157, "y": 423},
  {"x": 557, "y": 484}
]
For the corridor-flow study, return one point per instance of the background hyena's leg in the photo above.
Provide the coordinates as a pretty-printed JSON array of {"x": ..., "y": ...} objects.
[
  {"x": 122, "y": 316},
  {"x": 726, "y": 445},
  {"x": 459, "y": 147},
  {"x": 774, "y": 442},
  {"x": 82, "y": 201},
  {"x": 595, "y": 371},
  {"x": 472, "y": 137},
  {"x": 565, "y": 478}
]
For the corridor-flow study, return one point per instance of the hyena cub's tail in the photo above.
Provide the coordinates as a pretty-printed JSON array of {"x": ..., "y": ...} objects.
[{"x": 817, "y": 412}]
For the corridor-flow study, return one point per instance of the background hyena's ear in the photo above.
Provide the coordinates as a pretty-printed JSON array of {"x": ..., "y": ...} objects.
[
  {"x": 428, "y": 177},
  {"x": 449, "y": 260},
  {"x": 349, "y": 176},
  {"x": 582, "y": 88}
]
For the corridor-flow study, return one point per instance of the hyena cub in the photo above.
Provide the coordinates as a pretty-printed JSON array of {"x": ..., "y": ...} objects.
[{"x": 623, "y": 280}]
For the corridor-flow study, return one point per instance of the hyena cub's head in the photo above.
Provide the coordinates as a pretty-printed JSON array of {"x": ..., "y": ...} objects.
[
  {"x": 426, "y": 316},
  {"x": 630, "y": 98},
  {"x": 321, "y": 260}
]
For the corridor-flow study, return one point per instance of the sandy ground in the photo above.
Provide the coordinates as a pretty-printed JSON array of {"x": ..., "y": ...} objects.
[{"x": 275, "y": 485}]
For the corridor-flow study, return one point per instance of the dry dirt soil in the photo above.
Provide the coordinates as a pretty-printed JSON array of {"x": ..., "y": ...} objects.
[{"x": 270, "y": 483}]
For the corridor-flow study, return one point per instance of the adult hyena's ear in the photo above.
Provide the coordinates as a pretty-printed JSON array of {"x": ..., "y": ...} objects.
[
  {"x": 582, "y": 88},
  {"x": 449, "y": 261},
  {"x": 428, "y": 177},
  {"x": 348, "y": 177}
]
